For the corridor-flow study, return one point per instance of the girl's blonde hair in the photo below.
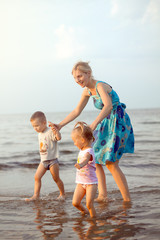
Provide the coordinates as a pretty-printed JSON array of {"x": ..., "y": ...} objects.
[
  {"x": 83, "y": 67},
  {"x": 84, "y": 131}
]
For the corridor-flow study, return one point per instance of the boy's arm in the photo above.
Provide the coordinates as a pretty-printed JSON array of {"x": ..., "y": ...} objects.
[
  {"x": 86, "y": 160},
  {"x": 56, "y": 133}
]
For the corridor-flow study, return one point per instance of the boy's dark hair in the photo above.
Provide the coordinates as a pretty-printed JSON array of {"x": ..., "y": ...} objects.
[{"x": 38, "y": 115}]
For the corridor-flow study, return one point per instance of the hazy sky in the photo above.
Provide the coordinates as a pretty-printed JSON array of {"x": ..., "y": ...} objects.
[{"x": 40, "y": 40}]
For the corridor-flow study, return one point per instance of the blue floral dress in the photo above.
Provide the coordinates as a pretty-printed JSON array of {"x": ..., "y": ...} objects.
[{"x": 114, "y": 135}]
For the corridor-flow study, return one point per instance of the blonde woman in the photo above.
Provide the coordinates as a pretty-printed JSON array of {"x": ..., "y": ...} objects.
[{"x": 112, "y": 128}]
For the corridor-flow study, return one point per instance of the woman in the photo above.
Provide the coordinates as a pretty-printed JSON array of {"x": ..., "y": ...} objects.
[{"x": 112, "y": 128}]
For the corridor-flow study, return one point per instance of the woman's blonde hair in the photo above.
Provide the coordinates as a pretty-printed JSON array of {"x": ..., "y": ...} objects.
[
  {"x": 83, "y": 67},
  {"x": 84, "y": 131}
]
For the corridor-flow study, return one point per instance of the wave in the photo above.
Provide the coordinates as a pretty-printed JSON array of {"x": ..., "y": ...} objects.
[
  {"x": 8, "y": 143},
  {"x": 150, "y": 191},
  {"x": 147, "y": 141},
  {"x": 67, "y": 142},
  {"x": 68, "y": 163},
  {"x": 33, "y": 155},
  {"x": 66, "y": 152},
  {"x": 18, "y": 165},
  {"x": 34, "y": 164},
  {"x": 142, "y": 165},
  {"x": 151, "y": 122}
]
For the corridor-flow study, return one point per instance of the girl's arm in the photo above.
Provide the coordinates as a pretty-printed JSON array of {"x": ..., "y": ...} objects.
[
  {"x": 75, "y": 113},
  {"x": 106, "y": 110},
  {"x": 88, "y": 158}
]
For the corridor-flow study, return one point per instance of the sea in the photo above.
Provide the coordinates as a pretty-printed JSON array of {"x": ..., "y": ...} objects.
[{"x": 49, "y": 218}]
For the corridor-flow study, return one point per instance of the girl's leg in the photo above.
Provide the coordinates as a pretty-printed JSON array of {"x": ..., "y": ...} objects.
[
  {"x": 119, "y": 179},
  {"x": 54, "y": 170},
  {"x": 37, "y": 186},
  {"x": 90, "y": 195},
  {"x": 79, "y": 193},
  {"x": 102, "y": 188}
]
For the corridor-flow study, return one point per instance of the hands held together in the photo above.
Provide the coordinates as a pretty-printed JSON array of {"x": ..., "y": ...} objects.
[{"x": 55, "y": 128}]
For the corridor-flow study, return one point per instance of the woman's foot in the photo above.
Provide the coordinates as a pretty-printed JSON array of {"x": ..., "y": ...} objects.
[
  {"x": 101, "y": 199},
  {"x": 61, "y": 198}
]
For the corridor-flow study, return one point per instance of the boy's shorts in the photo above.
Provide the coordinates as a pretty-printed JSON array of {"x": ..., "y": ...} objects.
[{"x": 49, "y": 163}]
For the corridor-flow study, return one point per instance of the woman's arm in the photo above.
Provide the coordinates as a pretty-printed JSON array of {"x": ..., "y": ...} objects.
[
  {"x": 88, "y": 158},
  {"x": 75, "y": 113},
  {"x": 107, "y": 108}
]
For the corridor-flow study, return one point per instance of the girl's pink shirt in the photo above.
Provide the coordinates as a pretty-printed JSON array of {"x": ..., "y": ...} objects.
[{"x": 87, "y": 174}]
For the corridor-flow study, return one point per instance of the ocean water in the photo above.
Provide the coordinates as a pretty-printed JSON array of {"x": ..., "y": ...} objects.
[{"x": 51, "y": 219}]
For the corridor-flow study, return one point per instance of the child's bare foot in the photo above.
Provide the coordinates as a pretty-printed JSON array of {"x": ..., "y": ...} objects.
[
  {"x": 61, "y": 198},
  {"x": 85, "y": 212},
  {"x": 34, "y": 198}
]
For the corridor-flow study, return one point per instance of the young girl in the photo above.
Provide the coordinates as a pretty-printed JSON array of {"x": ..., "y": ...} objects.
[
  {"x": 86, "y": 179},
  {"x": 113, "y": 130}
]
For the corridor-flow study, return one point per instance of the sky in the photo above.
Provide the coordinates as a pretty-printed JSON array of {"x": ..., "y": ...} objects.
[{"x": 41, "y": 40}]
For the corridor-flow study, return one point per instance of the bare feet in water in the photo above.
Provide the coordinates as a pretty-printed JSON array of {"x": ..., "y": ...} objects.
[
  {"x": 34, "y": 198},
  {"x": 101, "y": 199},
  {"x": 61, "y": 198}
]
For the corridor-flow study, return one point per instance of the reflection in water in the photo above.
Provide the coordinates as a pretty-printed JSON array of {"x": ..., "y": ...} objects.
[
  {"x": 49, "y": 218},
  {"x": 114, "y": 224},
  {"x": 57, "y": 220}
]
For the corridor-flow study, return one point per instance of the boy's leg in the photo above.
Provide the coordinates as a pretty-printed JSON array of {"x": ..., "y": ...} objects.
[
  {"x": 37, "y": 186},
  {"x": 54, "y": 170},
  {"x": 78, "y": 195},
  {"x": 90, "y": 195}
]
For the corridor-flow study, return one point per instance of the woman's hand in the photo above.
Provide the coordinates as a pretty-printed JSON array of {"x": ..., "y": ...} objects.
[
  {"x": 53, "y": 126},
  {"x": 93, "y": 126}
]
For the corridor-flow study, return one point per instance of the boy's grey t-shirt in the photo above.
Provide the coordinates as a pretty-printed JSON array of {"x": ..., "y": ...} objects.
[{"x": 48, "y": 145}]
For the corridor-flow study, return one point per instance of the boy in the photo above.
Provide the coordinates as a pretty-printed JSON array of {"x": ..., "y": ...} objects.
[{"x": 48, "y": 152}]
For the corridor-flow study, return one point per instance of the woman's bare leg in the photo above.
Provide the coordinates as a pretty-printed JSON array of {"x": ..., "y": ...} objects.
[
  {"x": 102, "y": 188},
  {"x": 119, "y": 179}
]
